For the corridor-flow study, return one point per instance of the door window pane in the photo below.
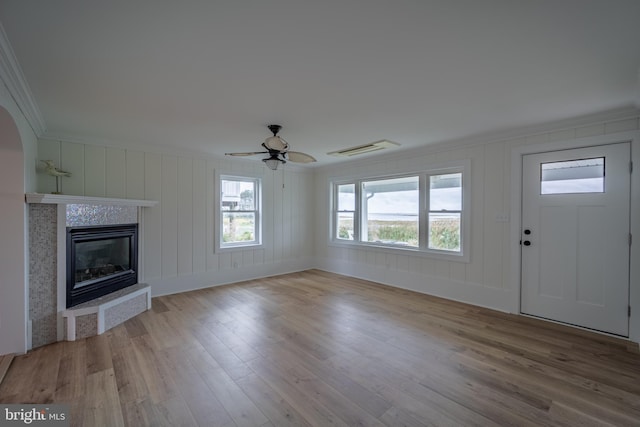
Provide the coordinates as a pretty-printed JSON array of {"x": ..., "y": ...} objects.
[{"x": 574, "y": 176}]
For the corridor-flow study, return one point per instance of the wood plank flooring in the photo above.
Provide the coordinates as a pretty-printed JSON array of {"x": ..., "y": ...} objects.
[
  {"x": 318, "y": 349},
  {"x": 5, "y": 362}
]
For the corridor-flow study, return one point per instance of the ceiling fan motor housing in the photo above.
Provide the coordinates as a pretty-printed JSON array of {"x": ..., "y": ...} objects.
[
  {"x": 278, "y": 150},
  {"x": 274, "y": 129}
]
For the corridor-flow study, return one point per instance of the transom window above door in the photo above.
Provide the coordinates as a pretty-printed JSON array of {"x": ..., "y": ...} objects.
[{"x": 572, "y": 176}]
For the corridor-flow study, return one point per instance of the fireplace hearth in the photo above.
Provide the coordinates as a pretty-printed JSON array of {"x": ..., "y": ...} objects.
[
  {"x": 63, "y": 306},
  {"x": 100, "y": 260}
]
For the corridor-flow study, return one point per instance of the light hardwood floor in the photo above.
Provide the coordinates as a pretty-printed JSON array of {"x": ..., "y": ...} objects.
[
  {"x": 5, "y": 363},
  {"x": 315, "y": 348}
]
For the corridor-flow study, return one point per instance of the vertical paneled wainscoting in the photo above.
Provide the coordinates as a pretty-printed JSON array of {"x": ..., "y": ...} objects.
[
  {"x": 179, "y": 251},
  {"x": 489, "y": 278}
]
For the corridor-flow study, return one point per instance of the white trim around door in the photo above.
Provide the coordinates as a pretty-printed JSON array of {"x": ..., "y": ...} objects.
[{"x": 517, "y": 154}]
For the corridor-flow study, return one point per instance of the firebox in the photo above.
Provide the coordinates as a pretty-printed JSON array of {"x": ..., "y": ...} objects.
[{"x": 100, "y": 260}]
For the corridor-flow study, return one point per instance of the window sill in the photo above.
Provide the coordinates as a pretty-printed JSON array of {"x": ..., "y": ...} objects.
[
  {"x": 399, "y": 250},
  {"x": 239, "y": 247}
]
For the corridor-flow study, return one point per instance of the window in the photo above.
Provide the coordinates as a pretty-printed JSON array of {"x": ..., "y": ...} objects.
[
  {"x": 345, "y": 213},
  {"x": 239, "y": 211},
  {"x": 425, "y": 212},
  {"x": 573, "y": 176},
  {"x": 390, "y": 211},
  {"x": 445, "y": 211}
]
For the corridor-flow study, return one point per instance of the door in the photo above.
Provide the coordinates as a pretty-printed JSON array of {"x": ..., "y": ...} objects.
[{"x": 575, "y": 236}]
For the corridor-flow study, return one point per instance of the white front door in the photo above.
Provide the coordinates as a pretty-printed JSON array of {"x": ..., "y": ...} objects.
[{"x": 575, "y": 236}]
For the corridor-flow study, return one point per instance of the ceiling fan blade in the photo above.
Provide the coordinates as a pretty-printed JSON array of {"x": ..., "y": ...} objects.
[
  {"x": 298, "y": 157},
  {"x": 278, "y": 151},
  {"x": 276, "y": 143},
  {"x": 252, "y": 153},
  {"x": 286, "y": 145}
]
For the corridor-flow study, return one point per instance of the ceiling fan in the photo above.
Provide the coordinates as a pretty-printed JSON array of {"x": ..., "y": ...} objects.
[{"x": 278, "y": 151}]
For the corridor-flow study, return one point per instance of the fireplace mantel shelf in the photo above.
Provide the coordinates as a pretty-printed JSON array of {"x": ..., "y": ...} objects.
[{"x": 63, "y": 199}]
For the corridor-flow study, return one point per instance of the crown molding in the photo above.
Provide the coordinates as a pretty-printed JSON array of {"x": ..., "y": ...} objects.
[
  {"x": 167, "y": 150},
  {"x": 613, "y": 115},
  {"x": 13, "y": 78},
  {"x": 128, "y": 145}
]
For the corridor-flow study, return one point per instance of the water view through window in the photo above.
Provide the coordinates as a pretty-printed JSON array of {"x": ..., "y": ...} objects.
[
  {"x": 389, "y": 211},
  {"x": 445, "y": 211},
  {"x": 346, "y": 204}
]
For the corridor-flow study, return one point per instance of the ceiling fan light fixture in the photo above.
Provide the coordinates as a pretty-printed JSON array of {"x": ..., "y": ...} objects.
[
  {"x": 273, "y": 162},
  {"x": 278, "y": 151}
]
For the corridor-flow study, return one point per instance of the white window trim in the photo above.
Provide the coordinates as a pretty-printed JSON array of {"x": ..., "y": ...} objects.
[
  {"x": 464, "y": 255},
  {"x": 217, "y": 222}
]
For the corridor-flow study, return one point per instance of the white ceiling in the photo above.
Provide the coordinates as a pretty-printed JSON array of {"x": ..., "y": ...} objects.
[{"x": 208, "y": 76}]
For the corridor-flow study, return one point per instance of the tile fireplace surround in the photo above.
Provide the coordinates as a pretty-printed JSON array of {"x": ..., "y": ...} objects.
[{"x": 49, "y": 319}]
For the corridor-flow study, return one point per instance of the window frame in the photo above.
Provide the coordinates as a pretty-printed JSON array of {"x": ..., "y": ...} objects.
[
  {"x": 429, "y": 211},
  {"x": 336, "y": 212},
  {"x": 550, "y": 192},
  {"x": 258, "y": 212},
  {"x": 364, "y": 211},
  {"x": 463, "y": 167}
]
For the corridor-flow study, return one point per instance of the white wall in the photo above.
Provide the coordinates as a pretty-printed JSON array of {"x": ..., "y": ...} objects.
[
  {"x": 488, "y": 279},
  {"x": 484, "y": 280},
  {"x": 17, "y": 175},
  {"x": 178, "y": 251}
]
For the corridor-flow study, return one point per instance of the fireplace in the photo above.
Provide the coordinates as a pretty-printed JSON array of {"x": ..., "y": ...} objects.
[{"x": 100, "y": 259}]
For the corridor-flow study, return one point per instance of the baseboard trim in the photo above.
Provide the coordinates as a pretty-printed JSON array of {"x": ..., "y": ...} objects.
[
  {"x": 208, "y": 279},
  {"x": 466, "y": 292}
]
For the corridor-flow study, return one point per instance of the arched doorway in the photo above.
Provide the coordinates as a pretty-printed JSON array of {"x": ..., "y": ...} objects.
[{"x": 13, "y": 313}]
